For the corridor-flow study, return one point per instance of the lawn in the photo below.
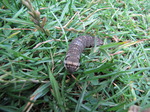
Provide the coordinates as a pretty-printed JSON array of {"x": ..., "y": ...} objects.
[{"x": 34, "y": 39}]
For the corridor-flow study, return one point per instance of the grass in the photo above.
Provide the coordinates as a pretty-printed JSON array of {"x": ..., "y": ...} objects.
[{"x": 34, "y": 39}]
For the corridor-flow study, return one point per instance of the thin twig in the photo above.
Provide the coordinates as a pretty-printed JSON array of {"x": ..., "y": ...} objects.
[
  {"x": 17, "y": 29},
  {"x": 70, "y": 29},
  {"x": 70, "y": 20},
  {"x": 47, "y": 42},
  {"x": 119, "y": 52},
  {"x": 95, "y": 12}
]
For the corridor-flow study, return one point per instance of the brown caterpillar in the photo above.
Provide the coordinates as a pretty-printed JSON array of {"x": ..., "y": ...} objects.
[{"x": 76, "y": 47}]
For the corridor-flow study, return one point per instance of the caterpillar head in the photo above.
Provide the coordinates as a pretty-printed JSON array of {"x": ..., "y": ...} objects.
[{"x": 71, "y": 63}]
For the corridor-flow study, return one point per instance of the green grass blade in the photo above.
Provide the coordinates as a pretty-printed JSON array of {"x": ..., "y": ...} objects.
[
  {"x": 79, "y": 103},
  {"x": 56, "y": 91},
  {"x": 18, "y": 21}
]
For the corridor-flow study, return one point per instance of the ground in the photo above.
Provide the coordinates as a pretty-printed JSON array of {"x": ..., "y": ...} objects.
[{"x": 34, "y": 39}]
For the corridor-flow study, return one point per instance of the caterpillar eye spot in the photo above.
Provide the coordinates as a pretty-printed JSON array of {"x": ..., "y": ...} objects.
[{"x": 76, "y": 47}]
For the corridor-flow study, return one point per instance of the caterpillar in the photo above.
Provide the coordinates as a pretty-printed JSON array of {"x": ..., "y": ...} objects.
[{"x": 76, "y": 47}]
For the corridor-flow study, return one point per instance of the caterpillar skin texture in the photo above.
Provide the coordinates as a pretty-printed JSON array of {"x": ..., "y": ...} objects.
[{"x": 76, "y": 47}]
